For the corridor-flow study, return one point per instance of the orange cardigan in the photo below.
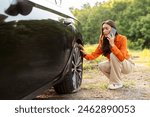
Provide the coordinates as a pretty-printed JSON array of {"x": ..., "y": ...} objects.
[{"x": 119, "y": 49}]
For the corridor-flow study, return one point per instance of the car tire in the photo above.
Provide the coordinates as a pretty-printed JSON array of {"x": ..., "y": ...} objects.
[{"x": 73, "y": 79}]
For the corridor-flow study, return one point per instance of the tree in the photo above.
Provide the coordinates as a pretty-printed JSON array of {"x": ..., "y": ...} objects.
[{"x": 131, "y": 17}]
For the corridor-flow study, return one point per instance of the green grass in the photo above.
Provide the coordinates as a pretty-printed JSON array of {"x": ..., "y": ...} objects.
[
  {"x": 143, "y": 56},
  {"x": 140, "y": 56},
  {"x": 91, "y": 66},
  {"x": 129, "y": 83},
  {"x": 102, "y": 86}
]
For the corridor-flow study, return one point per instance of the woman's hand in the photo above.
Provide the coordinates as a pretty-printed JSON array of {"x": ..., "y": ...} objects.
[
  {"x": 82, "y": 50},
  {"x": 111, "y": 40}
]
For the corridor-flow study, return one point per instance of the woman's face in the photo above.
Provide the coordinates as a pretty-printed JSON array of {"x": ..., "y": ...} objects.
[{"x": 106, "y": 29}]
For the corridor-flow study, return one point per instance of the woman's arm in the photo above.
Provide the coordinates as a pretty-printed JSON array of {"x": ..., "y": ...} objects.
[
  {"x": 121, "y": 53},
  {"x": 94, "y": 54}
]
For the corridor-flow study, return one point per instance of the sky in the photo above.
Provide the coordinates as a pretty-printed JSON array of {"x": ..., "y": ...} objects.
[{"x": 79, "y": 3}]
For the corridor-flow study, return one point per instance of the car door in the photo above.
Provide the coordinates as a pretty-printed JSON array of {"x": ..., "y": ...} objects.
[{"x": 35, "y": 46}]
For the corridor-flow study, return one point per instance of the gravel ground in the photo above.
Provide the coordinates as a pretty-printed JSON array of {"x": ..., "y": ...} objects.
[{"x": 136, "y": 87}]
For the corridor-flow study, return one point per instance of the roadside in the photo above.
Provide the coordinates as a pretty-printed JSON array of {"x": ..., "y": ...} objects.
[{"x": 94, "y": 86}]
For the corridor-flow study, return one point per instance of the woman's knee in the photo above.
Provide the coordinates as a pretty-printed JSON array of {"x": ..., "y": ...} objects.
[
  {"x": 103, "y": 66},
  {"x": 100, "y": 66},
  {"x": 127, "y": 67},
  {"x": 113, "y": 57}
]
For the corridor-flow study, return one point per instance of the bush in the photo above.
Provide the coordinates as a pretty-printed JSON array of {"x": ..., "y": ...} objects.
[{"x": 136, "y": 45}]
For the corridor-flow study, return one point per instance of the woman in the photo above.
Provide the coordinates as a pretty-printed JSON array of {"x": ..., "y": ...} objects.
[{"x": 114, "y": 47}]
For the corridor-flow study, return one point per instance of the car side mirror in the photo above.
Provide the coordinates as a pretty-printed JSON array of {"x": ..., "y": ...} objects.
[{"x": 19, "y": 6}]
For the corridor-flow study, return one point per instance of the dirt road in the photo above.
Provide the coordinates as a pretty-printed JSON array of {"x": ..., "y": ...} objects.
[{"x": 136, "y": 87}]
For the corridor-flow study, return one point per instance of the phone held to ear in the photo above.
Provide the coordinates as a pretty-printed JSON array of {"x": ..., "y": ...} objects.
[{"x": 113, "y": 32}]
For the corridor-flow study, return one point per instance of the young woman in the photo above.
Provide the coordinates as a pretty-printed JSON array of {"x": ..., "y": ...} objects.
[{"x": 114, "y": 47}]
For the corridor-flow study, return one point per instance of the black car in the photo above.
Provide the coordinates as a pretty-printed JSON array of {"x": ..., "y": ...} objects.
[{"x": 39, "y": 48}]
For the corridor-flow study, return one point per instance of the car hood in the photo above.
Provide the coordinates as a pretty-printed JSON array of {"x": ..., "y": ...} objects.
[{"x": 53, "y": 8}]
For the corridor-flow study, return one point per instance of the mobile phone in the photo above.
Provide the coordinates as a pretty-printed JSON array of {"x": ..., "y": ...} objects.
[{"x": 113, "y": 32}]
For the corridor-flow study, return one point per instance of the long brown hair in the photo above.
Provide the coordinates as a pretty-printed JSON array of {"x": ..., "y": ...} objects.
[{"x": 105, "y": 45}]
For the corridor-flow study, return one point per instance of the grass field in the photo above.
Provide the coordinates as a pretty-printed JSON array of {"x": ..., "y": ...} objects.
[
  {"x": 139, "y": 57},
  {"x": 142, "y": 55}
]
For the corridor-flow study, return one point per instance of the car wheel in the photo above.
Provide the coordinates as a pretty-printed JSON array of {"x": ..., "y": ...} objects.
[{"x": 73, "y": 79}]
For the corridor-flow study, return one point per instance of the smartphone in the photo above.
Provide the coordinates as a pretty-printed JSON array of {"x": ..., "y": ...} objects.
[{"x": 113, "y": 32}]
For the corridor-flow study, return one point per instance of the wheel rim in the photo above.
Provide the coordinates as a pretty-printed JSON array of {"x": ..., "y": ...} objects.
[{"x": 76, "y": 68}]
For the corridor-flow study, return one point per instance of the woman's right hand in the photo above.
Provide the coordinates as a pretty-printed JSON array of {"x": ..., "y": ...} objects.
[{"x": 82, "y": 50}]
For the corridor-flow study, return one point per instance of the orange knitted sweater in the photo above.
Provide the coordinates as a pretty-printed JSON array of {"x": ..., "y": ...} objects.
[{"x": 119, "y": 49}]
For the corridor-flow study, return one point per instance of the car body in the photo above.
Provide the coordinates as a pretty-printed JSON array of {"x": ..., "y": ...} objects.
[{"x": 39, "y": 48}]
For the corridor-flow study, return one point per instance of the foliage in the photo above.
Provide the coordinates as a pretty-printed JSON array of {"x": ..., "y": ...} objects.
[
  {"x": 137, "y": 45},
  {"x": 131, "y": 17}
]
